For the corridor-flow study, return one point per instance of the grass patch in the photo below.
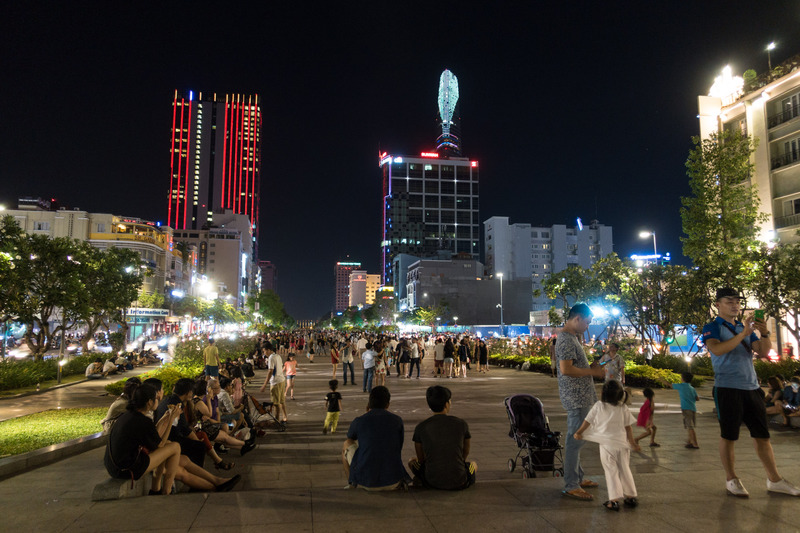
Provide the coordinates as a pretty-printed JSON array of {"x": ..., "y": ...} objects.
[
  {"x": 31, "y": 432},
  {"x": 44, "y": 385}
]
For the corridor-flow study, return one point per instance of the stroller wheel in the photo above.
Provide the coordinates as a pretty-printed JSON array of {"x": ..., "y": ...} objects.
[
  {"x": 558, "y": 472},
  {"x": 512, "y": 464},
  {"x": 526, "y": 474}
]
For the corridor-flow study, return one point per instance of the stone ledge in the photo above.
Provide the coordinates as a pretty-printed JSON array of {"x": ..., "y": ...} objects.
[
  {"x": 17, "y": 464},
  {"x": 793, "y": 421}
]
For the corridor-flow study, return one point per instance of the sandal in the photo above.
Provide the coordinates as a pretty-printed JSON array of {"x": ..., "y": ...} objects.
[
  {"x": 589, "y": 484},
  {"x": 631, "y": 502},
  {"x": 654, "y": 445},
  {"x": 222, "y": 465},
  {"x": 611, "y": 505},
  {"x": 578, "y": 494}
]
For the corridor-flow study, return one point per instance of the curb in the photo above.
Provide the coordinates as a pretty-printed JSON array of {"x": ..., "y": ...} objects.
[
  {"x": 25, "y": 462},
  {"x": 33, "y": 393}
]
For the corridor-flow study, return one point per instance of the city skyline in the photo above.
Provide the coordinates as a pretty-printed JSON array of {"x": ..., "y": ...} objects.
[{"x": 572, "y": 111}]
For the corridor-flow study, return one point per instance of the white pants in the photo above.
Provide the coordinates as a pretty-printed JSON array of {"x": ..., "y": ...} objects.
[{"x": 616, "y": 465}]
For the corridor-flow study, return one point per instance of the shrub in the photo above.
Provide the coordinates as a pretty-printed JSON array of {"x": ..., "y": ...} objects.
[
  {"x": 767, "y": 369},
  {"x": 701, "y": 365},
  {"x": 647, "y": 376},
  {"x": 18, "y": 374}
]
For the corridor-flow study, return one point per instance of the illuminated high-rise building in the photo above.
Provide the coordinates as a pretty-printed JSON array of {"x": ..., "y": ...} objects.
[
  {"x": 431, "y": 200},
  {"x": 341, "y": 274},
  {"x": 215, "y": 162}
]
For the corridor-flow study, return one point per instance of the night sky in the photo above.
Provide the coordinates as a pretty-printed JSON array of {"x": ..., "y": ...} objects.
[{"x": 574, "y": 109}]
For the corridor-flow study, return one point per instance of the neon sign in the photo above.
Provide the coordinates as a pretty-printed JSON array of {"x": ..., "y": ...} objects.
[{"x": 429, "y": 154}]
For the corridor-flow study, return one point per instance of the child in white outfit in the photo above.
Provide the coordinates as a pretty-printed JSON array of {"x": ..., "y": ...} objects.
[{"x": 609, "y": 424}]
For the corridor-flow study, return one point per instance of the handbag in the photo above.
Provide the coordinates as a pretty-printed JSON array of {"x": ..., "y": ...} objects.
[{"x": 212, "y": 429}]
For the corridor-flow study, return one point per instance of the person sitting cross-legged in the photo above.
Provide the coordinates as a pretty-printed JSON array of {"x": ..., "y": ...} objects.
[{"x": 442, "y": 446}]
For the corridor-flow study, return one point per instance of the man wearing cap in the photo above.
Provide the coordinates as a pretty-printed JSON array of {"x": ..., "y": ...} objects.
[
  {"x": 737, "y": 394},
  {"x": 577, "y": 393}
]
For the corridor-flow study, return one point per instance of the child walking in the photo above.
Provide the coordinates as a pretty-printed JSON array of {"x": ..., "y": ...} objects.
[
  {"x": 609, "y": 424},
  {"x": 290, "y": 371},
  {"x": 645, "y": 418},
  {"x": 333, "y": 404},
  {"x": 689, "y": 399}
]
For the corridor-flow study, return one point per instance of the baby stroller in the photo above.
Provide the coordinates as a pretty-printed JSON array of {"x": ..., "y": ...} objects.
[{"x": 530, "y": 429}]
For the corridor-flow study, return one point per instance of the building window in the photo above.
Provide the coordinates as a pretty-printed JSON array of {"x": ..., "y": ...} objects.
[
  {"x": 41, "y": 226},
  {"x": 791, "y": 207},
  {"x": 101, "y": 228},
  {"x": 535, "y": 234},
  {"x": 545, "y": 235}
]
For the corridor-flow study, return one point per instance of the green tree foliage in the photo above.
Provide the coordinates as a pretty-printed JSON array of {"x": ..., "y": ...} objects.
[
  {"x": 776, "y": 284},
  {"x": 151, "y": 300},
  {"x": 271, "y": 309},
  {"x": 721, "y": 217},
  {"x": 51, "y": 285},
  {"x": 111, "y": 281}
]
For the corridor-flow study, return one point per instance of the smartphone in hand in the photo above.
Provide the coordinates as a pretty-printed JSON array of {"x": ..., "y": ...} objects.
[{"x": 759, "y": 315}]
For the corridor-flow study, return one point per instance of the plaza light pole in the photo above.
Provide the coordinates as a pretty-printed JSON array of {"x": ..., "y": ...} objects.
[
  {"x": 502, "y": 329},
  {"x": 437, "y": 324},
  {"x": 646, "y": 234},
  {"x": 770, "y": 48},
  {"x": 455, "y": 321}
]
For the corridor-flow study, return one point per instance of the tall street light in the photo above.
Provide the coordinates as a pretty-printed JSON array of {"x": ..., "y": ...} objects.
[
  {"x": 500, "y": 275},
  {"x": 646, "y": 234},
  {"x": 770, "y": 48}
]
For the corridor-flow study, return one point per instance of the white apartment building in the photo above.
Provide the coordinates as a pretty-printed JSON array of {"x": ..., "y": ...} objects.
[
  {"x": 522, "y": 251},
  {"x": 766, "y": 108}
]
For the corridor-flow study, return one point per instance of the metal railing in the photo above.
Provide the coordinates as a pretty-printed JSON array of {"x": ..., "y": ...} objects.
[
  {"x": 784, "y": 116},
  {"x": 784, "y": 160},
  {"x": 785, "y": 222}
]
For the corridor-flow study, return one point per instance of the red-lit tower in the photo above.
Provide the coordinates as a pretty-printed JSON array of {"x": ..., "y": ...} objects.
[{"x": 215, "y": 162}]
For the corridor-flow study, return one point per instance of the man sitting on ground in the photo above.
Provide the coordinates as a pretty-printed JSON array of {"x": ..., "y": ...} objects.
[
  {"x": 95, "y": 370},
  {"x": 442, "y": 446},
  {"x": 371, "y": 455}
]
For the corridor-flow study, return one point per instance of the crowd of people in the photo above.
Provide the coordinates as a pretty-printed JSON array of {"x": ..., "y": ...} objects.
[{"x": 213, "y": 414}]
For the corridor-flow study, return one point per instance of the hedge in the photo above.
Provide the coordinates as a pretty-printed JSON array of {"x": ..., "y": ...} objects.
[
  {"x": 16, "y": 374},
  {"x": 188, "y": 362}
]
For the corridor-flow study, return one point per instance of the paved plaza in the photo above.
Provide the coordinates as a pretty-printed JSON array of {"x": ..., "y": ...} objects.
[{"x": 293, "y": 481}]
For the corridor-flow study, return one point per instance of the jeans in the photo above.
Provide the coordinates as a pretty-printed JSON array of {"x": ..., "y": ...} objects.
[
  {"x": 573, "y": 473},
  {"x": 411, "y": 366},
  {"x": 369, "y": 373},
  {"x": 345, "y": 366}
]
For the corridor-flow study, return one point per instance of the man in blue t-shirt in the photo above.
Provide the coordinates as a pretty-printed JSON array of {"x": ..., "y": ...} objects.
[
  {"x": 371, "y": 453},
  {"x": 737, "y": 394}
]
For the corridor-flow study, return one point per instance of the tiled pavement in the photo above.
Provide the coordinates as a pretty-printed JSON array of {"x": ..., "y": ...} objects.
[{"x": 294, "y": 482}]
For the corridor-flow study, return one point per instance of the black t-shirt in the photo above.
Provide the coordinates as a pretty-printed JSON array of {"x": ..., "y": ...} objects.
[
  {"x": 182, "y": 429},
  {"x": 131, "y": 430},
  {"x": 333, "y": 401},
  {"x": 442, "y": 438}
]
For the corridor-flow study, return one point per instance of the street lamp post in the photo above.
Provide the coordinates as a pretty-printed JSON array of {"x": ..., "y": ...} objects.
[
  {"x": 437, "y": 324},
  {"x": 502, "y": 329},
  {"x": 646, "y": 234},
  {"x": 455, "y": 321},
  {"x": 770, "y": 48}
]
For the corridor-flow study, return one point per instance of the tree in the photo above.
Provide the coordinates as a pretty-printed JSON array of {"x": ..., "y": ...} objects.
[
  {"x": 13, "y": 243},
  {"x": 776, "y": 285},
  {"x": 571, "y": 285},
  {"x": 112, "y": 280},
  {"x": 52, "y": 283},
  {"x": 269, "y": 305},
  {"x": 721, "y": 218},
  {"x": 151, "y": 300}
]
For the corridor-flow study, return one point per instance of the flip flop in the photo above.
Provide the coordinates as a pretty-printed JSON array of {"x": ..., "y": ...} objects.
[
  {"x": 578, "y": 494},
  {"x": 589, "y": 484}
]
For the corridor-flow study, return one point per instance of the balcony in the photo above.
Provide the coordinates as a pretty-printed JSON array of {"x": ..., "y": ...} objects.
[
  {"x": 787, "y": 221},
  {"x": 784, "y": 116},
  {"x": 784, "y": 160}
]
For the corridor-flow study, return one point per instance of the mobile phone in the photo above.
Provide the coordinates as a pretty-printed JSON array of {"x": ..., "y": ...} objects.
[{"x": 759, "y": 315}]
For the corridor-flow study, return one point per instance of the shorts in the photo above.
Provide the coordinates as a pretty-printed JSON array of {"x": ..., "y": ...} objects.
[
  {"x": 289, "y": 377},
  {"x": 212, "y": 371},
  {"x": 735, "y": 407},
  {"x": 448, "y": 359},
  {"x": 276, "y": 393},
  {"x": 689, "y": 418},
  {"x": 418, "y": 470}
]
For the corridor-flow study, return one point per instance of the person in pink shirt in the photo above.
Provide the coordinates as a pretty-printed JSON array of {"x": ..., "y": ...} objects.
[{"x": 290, "y": 371}]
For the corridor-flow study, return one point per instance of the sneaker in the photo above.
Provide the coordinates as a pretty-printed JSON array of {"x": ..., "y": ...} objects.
[
  {"x": 324, "y": 430},
  {"x": 784, "y": 487},
  {"x": 735, "y": 488}
]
